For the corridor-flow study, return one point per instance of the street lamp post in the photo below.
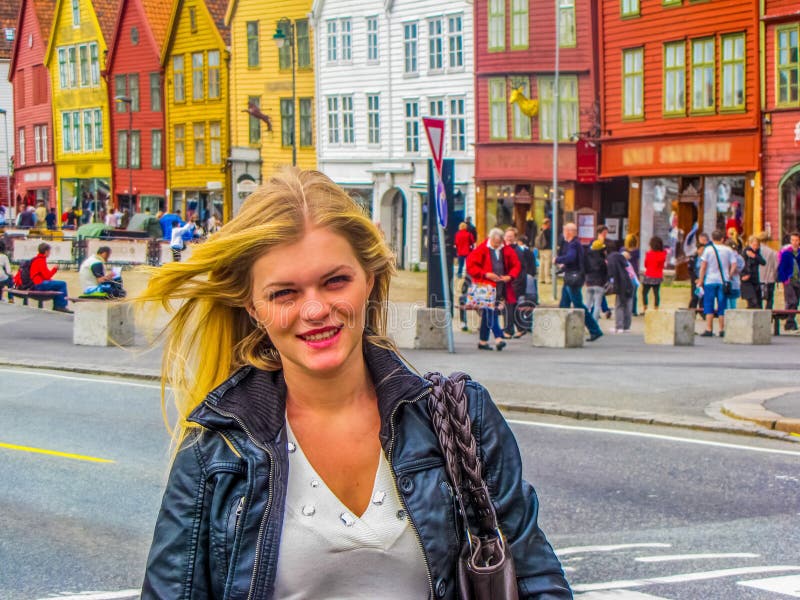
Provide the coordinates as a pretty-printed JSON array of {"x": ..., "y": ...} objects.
[
  {"x": 285, "y": 34},
  {"x": 129, "y": 101},
  {"x": 556, "y": 108},
  {"x": 4, "y": 112}
]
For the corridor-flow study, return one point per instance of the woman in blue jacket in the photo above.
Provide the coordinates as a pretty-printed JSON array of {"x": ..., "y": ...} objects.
[{"x": 306, "y": 463}]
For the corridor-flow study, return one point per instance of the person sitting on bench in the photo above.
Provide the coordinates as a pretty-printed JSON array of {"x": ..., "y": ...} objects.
[
  {"x": 41, "y": 276},
  {"x": 94, "y": 279}
]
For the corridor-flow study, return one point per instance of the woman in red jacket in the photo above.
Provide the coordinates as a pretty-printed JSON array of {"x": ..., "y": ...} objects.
[
  {"x": 654, "y": 270},
  {"x": 493, "y": 263},
  {"x": 464, "y": 242}
]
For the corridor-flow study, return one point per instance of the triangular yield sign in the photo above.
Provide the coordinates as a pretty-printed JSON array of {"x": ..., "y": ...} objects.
[{"x": 434, "y": 129}]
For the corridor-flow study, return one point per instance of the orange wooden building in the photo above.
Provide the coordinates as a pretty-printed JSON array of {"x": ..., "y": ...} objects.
[
  {"x": 681, "y": 115},
  {"x": 781, "y": 132}
]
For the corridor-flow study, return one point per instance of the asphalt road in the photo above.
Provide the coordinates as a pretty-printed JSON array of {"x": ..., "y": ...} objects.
[{"x": 637, "y": 513}]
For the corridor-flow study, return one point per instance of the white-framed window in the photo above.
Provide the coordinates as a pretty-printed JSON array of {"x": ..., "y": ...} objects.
[
  {"x": 332, "y": 40},
  {"x": 63, "y": 76},
  {"x": 675, "y": 78},
  {"x": 178, "y": 79},
  {"x": 455, "y": 41},
  {"x": 155, "y": 148},
  {"x": 122, "y": 149},
  {"x": 703, "y": 75},
  {"x": 436, "y": 44},
  {"x": 498, "y": 114},
  {"x": 76, "y": 131},
  {"x": 215, "y": 138},
  {"x": 436, "y": 107},
  {"x": 373, "y": 52},
  {"x": 21, "y": 141},
  {"x": 213, "y": 74},
  {"x": 66, "y": 133},
  {"x": 95, "y": 61},
  {"x": 347, "y": 39},
  {"x": 521, "y": 128},
  {"x": 76, "y": 13},
  {"x": 568, "y": 114},
  {"x": 373, "y": 119},
  {"x": 199, "y": 139},
  {"x": 83, "y": 57},
  {"x": 98, "y": 129},
  {"x": 136, "y": 150},
  {"x": 348, "y": 121},
  {"x": 567, "y": 31},
  {"x": 133, "y": 92},
  {"x": 198, "y": 76},
  {"x": 40, "y": 143},
  {"x": 412, "y": 125},
  {"x": 179, "y": 145},
  {"x": 410, "y": 48},
  {"x": 287, "y": 122},
  {"x": 88, "y": 130},
  {"x": 458, "y": 125},
  {"x": 72, "y": 62},
  {"x": 732, "y": 54},
  {"x": 334, "y": 119}
]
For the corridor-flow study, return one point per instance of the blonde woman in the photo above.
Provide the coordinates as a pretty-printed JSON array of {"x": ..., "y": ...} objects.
[{"x": 307, "y": 465}]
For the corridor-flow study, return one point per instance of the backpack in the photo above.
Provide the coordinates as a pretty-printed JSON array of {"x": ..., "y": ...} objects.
[{"x": 23, "y": 280}]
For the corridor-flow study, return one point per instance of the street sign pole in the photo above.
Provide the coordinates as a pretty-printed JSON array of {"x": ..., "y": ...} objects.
[{"x": 434, "y": 129}]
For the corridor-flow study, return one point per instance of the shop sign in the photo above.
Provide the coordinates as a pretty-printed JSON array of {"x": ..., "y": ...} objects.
[
  {"x": 586, "y": 157},
  {"x": 37, "y": 176},
  {"x": 671, "y": 154},
  {"x": 213, "y": 185}
]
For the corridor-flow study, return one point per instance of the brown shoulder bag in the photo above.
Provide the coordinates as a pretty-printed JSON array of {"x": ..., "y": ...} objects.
[{"x": 485, "y": 564}]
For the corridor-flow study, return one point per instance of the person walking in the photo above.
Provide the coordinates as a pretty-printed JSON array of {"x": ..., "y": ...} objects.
[
  {"x": 717, "y": 265},
  {"x": 789, "y": 276},
  {"x": 518, "y": 285},
  {"x": 571, "y": 262},
  {"x": 495, "y": 264},
  {"x": 464, "y": 242},
  {"x": 544, "y": 244},
  {"x": 751, "y": 282},
  {"x": 631, "y": 246},
  {"x": 768, "y": 272},
  {"x": 306, "y": 462},
  {"x": 597, "y": 273},
  {"x": 620, "y": 274},
  {"x": 654, "y": 261}
]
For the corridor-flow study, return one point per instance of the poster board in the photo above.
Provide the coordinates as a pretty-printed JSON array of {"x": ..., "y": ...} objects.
[{"x": 587, "y": 224}]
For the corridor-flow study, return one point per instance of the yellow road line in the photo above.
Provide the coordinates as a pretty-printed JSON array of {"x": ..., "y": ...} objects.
[{"x": 55, "y": 453}]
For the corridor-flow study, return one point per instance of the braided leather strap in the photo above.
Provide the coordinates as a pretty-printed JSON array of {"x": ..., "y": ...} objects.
[{"x": 448, "y": 407}]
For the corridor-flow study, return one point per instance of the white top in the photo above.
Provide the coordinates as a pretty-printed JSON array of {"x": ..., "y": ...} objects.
[
  {"x": 726, "y": 257},
  {"x": 5, "y": 266},
  {"x": 327, "y": 552}
]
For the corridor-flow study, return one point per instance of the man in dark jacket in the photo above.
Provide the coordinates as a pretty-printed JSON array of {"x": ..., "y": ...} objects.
[
  {"x": 597, "y": 272},
  {"x": 518, "y": 284},
  {"x": 624, "y": 290},
  {"x": 571, "y": 262},
  {"x": 789, "y": 276}
]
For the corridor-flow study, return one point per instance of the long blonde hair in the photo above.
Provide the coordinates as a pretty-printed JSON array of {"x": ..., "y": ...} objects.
[{"x": 211, "y": 334}]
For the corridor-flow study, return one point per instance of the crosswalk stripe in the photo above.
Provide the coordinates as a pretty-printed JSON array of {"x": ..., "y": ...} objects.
[
  {"x": 121, "y": 595},
  {"x": 607, "y": 548},
  {"x": 788, "y": 585},
  {"x": 673, "y": 557},
  {"x": 617, "y": 595}
]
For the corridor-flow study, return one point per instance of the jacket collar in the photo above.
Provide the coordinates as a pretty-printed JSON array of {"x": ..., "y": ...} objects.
[{"x": 254, "y": 400}]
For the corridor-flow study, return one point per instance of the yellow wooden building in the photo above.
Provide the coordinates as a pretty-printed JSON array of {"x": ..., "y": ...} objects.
[
  {"x": 75, "y": 59},
  {"x": 195, "y": 60},
  {"x": 277, "y": 125}
]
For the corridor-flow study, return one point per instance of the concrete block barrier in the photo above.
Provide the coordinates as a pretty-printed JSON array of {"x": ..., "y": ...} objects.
[
  {"x": 416, "y": 327},
  {"x": 558, "y": 327},
  {"x": 748, "y": 326},
  {"x": 103, "y": 323},
  {"x": 669, "y": 327}
]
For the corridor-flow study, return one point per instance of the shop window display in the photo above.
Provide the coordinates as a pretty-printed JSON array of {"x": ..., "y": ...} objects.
[
  {"x": 790, "y": 205},
  {"x": 660, "y": 215}
]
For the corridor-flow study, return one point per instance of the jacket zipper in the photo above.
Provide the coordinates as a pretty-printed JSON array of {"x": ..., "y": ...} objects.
[
  {"x": 239, "y": 510},
  {"x": 263, "y": 525},
  {"x": 402, "y": 498}
]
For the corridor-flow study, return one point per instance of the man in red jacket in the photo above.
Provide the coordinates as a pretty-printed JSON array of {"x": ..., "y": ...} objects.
[
  {"x": 493, "y": 263},
  {"x": 42, "y": 277}
]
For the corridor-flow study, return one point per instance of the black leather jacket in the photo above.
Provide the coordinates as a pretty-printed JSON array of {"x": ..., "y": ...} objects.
[{"x": 219, "y": 528}]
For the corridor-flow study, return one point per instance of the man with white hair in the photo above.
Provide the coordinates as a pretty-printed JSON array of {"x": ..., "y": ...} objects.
[
  {"x": 571, "y": 262},
  {"x": 496, "y": 264}
]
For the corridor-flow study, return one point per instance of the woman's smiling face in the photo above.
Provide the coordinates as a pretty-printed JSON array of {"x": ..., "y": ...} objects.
[{"x": 311, "y": 297}]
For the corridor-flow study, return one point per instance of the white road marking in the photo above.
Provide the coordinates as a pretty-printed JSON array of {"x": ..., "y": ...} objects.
[
  {"x": 789, "y": 585},
  {"x": 618, "y": 595},
  {"x": 608, "y": 548},
  {"x": 114, "y": 381},
  {"x": 672, "y": 557},
  {"x": 656, "y": 436},
  {"x": 97, "y": 595},
  {"x": 681, "y": 578}
]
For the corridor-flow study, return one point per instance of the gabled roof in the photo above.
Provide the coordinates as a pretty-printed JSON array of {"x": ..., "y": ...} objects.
[
  {"x": 106, "y": 12},
  {"x": 44, "y": 12},
  {"x": 156, "y": 13},
  {"x": 9, "y": 11},
  {"x": 216, "y": 9}
]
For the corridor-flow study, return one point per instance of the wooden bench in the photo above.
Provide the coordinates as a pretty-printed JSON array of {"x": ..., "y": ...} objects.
[
  {"x": 778, "y": 316},
  {"x": 37, "y": 295}
]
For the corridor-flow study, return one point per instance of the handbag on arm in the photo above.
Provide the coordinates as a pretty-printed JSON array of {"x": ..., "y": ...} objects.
[{"x": 485, "y": 564}]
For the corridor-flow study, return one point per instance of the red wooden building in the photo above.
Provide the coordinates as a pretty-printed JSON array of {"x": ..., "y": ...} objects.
[
  {"x": 134, "y": 72},
  {"x": 34, "y": 169},
  {"x": 515, "y": 45},
  {"x": 781, "y": 129},
  {"x": 681, "y": 115}
]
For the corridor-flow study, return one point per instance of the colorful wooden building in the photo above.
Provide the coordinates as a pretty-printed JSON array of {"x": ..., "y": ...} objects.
[
  {"x": 515, "y": 42},
  {"x": 75, "y": 60},
  {"x": 781, "y": 119},
  {"x": 30, "y": 123},
  {"x": 9, "y": 13},
  {"x": 681, "y": 115},
  {"x": 267, "y": 119},
  {"x": 195, "y": 59},
  {"x": 135, "y": 85}
]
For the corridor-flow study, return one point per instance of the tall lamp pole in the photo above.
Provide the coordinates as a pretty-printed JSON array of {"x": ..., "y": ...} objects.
[
  {"x": 284, "y": 34},
  {"x": 556, "y": 108},
  {"x": 129, "y": 101},
  {"x": 4, "y": 112}
]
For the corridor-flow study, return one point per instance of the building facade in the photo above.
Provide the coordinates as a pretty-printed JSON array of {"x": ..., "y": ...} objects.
[
  {"x": 681, "y": 116},
  {"x": 8, "y": 33},
  {"x": 75, "y": 59},
  {"x": 268, "y": 122},
  {"x": 195, "y": 61},
  {"x": 135, "y": 84},
  {"x": 381, "y": 67},
  {"x": 515, "y": 46},
  {"x": 781, "y": 119}
]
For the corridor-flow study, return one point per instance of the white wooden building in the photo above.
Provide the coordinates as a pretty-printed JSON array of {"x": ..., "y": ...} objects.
[{"x": 382, "y": 65}]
